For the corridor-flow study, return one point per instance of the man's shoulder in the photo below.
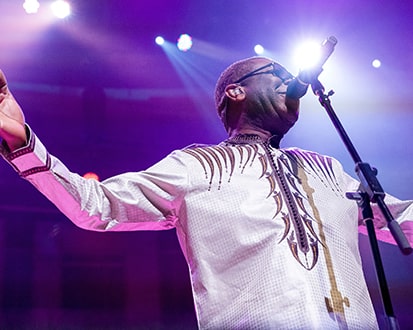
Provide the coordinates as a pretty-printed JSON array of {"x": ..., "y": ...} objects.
[
  {"x": 198, "y": 146},
  {"x": 308, "y": 155},
  {"x": 196, "y": 149},
  {"x": 302, "y": 152}
]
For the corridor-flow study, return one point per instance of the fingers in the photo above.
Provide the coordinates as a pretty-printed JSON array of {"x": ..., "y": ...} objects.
[
  {"x": 3, "y": 81},
  {"x": 4, "y": 91},
  {"x": 12, "y": 131},
  {"x": 11, "y": 117},
  {"x": 8, "y": 105}
]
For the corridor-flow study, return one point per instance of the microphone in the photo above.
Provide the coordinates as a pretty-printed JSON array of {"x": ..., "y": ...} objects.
[{"x": 297, "y": 88}]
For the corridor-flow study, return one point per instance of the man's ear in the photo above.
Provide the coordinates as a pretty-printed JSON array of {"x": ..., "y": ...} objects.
[{"x": 235, "y": 92}]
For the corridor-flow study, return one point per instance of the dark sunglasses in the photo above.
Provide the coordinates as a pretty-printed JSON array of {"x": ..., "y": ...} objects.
[{"x": 277, "y": 71}]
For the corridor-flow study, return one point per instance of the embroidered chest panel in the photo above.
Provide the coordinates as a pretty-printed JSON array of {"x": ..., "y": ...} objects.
[{"x": 286, "y": 172}]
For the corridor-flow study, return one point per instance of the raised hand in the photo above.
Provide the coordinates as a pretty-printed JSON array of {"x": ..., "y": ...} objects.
[{"x": 12, "y": 129}]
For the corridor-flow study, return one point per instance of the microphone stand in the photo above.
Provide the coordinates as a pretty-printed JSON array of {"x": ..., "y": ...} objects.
[{"x": 370, "y": 191}]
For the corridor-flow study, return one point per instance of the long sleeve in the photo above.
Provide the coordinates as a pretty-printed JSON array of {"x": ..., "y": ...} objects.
[
  {"x": 402, "y": 212},
  {"x": 146, "y": 200}
]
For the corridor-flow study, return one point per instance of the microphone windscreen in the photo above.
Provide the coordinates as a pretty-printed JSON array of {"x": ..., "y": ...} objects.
[{"x": 296, "y": 89}]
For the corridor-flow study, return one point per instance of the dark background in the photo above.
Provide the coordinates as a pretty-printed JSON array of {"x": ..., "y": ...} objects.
[{"x": 103, "y": 97}]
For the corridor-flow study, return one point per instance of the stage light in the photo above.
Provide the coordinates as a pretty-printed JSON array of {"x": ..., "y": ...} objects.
[
  {"x": 61, "y": 8},
  {"x": 376, "y": 63},
  {"x": 307, "y": 54},
  {"x": 91, "y": 175},
  {"x": 259, "y": 50},
  {"x": 184, "y": 42},
  {"x": 159, "y": 40},
  {"x": 31, "y": 6}
]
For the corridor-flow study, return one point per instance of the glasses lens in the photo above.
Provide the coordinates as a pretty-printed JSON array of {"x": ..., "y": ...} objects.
[
  {"x": 281, "y": 73},
  {"x": 276, "y": 70}
]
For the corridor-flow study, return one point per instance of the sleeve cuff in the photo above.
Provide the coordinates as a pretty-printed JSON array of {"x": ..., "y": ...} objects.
[{"x": 30, "y": 159}]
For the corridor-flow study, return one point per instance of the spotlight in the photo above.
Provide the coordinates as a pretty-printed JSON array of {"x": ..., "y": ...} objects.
[
  {"x": 376, "y": 63},
  {"x": 307, "y": 54},
  {"x": 31, "y": 6},
  {"x": 159, "y": 40},
  {"x": 61, "y": 8},
  {"x": 184, "y": 42},
  {"x": 91, "y": 175},
  {"x": 259, "y": 50}
]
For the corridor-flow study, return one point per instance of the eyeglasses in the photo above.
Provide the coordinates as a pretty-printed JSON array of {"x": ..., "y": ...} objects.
[{"x": 277, "y": 71}]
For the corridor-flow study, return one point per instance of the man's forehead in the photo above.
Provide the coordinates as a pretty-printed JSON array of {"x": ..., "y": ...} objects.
[{"x": 259, "y": 62}]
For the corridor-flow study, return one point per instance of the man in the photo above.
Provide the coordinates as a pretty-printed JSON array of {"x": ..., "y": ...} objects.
[{"x": 268, "y": 234}]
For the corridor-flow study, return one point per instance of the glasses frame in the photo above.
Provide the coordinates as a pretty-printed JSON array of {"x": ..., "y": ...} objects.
[{"x": 277, "y": 71}]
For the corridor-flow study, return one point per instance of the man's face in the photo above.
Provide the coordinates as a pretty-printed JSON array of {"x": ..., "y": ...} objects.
[{"x": 265, "y": 87}]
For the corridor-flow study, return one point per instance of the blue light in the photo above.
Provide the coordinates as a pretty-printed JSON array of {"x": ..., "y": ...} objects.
[
  {"x": 259, "y": 49},
  {"x": 159, "y": 40},
  {"x": 376, "y": 63},
  {"x": 184, "y": 42}
]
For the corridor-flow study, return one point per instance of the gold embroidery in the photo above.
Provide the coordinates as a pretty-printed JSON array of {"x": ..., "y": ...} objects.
[
  {"x": 336, "y": 302},
  {"x": 285, "y": 174},
  {"x": 219, "y": 157}
]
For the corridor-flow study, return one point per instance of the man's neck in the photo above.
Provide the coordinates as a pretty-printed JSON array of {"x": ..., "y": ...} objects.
[
  {"x": 250, "y": 134},
  {"x": 264, "y": 135}
]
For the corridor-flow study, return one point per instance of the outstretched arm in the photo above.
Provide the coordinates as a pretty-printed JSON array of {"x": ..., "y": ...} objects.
[{"x": 12, "y": 129}]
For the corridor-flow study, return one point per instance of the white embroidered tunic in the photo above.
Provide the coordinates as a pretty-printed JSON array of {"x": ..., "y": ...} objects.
[{"x": 270, "y": 239}]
